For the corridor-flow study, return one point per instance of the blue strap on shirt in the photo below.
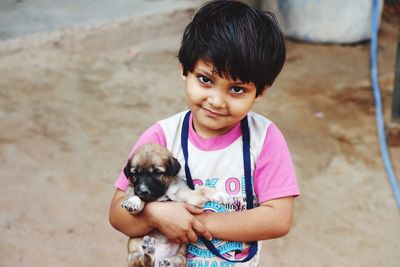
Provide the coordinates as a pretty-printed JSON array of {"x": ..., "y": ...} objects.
[{"x": 247, "y": 174}]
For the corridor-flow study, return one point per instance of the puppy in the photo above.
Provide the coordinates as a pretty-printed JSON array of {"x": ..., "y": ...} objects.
[{"x": 153, "y": 176}]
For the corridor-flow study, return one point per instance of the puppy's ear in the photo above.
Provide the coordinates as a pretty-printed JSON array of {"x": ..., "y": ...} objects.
[
  {"x": 173, "y": 166},
  {"x": 127, "y": 170}
]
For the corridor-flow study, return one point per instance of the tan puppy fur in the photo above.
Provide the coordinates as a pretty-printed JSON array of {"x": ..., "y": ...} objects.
[{"x": 153, "y": 176}]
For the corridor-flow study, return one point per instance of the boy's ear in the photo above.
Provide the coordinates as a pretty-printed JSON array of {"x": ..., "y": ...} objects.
[
  {"x": 261, "y": 95},
  {"x": 182, "y": 76}
]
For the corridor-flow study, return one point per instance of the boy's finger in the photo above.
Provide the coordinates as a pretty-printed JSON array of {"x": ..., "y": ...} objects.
[
  {"x": 191, "y": 235},
  {"x": 184, "y": 240},
  {"x": 193, "y": 209},
  {"x": 201, "y": 230}
]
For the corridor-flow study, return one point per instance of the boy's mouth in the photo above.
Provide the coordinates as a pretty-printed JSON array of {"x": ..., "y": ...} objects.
[{"x": 212, "y": 113}]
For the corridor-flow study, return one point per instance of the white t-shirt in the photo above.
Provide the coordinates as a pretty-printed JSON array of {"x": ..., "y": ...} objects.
[{"x": 218, "y": 163}]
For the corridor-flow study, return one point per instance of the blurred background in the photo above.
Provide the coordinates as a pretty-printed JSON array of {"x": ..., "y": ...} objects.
[{"x": 81, "y": 80}]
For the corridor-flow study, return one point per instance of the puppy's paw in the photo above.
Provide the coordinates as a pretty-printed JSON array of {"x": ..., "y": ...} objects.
[
  {"x": 171, "y": 262},
  {"x": 133, "y": 204},
  {"x": 165, "y": 263},
  {"x": 220, "y": 197},
  {"x": 148, "y": 245},
  {"x": 212, "y": 194}
]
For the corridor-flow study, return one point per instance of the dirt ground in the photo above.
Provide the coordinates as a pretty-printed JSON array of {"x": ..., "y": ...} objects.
[{"x": 73, "y": 102}]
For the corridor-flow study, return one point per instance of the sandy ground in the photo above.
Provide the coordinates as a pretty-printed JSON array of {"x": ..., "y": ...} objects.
[
  {"x": 73, "y": 102},
  {"x": 22, "y": 17}
]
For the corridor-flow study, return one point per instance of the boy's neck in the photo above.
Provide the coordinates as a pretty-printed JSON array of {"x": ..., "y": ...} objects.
[{"x": 208, "y": 134}]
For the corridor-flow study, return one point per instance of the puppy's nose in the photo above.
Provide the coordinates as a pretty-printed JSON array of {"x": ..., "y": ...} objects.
[{"x": 144, "y": 189}]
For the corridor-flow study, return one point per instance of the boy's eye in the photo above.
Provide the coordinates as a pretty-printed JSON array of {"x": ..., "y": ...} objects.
[
  {"x": 204, "y": 79},
  {"x": 237, "y": 90}
]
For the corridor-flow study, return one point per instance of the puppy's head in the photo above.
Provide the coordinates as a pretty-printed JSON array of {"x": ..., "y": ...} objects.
[{"x": 151, "y": 170}]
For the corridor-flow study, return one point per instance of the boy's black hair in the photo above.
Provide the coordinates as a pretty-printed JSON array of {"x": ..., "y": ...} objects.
[{"x": 241, "y": 42}]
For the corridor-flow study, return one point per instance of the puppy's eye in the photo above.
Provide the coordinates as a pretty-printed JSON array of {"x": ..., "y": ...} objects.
[
  {"x": 133, "y": 171},
  {"x": 157, "y": 172}
]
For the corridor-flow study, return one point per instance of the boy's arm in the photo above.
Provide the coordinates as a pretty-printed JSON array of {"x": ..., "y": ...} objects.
[
  {"x": 174, "y": 220},
  {"x": 272, "y": 219}
]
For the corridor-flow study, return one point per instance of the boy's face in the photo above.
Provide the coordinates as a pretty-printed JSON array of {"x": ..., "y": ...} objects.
[{"x": 217, "y": 103}]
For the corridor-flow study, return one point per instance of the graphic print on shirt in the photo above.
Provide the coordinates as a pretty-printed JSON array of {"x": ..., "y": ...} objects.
[{"x": 198, "y": 252}]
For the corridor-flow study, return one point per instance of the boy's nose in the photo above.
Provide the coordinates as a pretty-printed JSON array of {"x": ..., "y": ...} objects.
[{"x": 216, "y": 100}]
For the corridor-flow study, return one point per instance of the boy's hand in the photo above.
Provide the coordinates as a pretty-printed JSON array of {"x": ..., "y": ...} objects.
[{"x": 176, "y": 221}]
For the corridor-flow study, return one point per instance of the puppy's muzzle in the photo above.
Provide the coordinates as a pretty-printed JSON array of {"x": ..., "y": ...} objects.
[
  {"x": 149, "y": 189},
  {"x": 144, "y": 193}
]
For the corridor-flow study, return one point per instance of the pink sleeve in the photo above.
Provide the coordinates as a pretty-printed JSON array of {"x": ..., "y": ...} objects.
[
  {"x": 153, "y": 135},
  {"x": 274, "y": 175}
]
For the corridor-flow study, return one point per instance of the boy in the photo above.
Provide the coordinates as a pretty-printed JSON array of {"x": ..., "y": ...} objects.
[{"x": 230, "y": 55}]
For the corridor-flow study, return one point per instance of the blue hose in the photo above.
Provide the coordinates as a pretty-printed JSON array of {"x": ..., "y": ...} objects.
[{"x": 378, "y": 106}]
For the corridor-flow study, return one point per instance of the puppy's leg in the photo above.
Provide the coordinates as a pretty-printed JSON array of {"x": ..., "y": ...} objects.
[
  {"x": 213, "y": 195},
  {"x": 136, "y": 260},
  {"x": 141, "y": 252},
  {"x": 180, "y": 192},
  {"x": 197, "y": 197},
  {"x": 135, "y": 253},
  {"x": 177, "y": 261},
  {"x": 149, "y": 247}
]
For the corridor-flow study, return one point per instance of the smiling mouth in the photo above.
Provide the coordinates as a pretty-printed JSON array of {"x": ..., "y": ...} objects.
[{"x": 211, "y": 113}]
